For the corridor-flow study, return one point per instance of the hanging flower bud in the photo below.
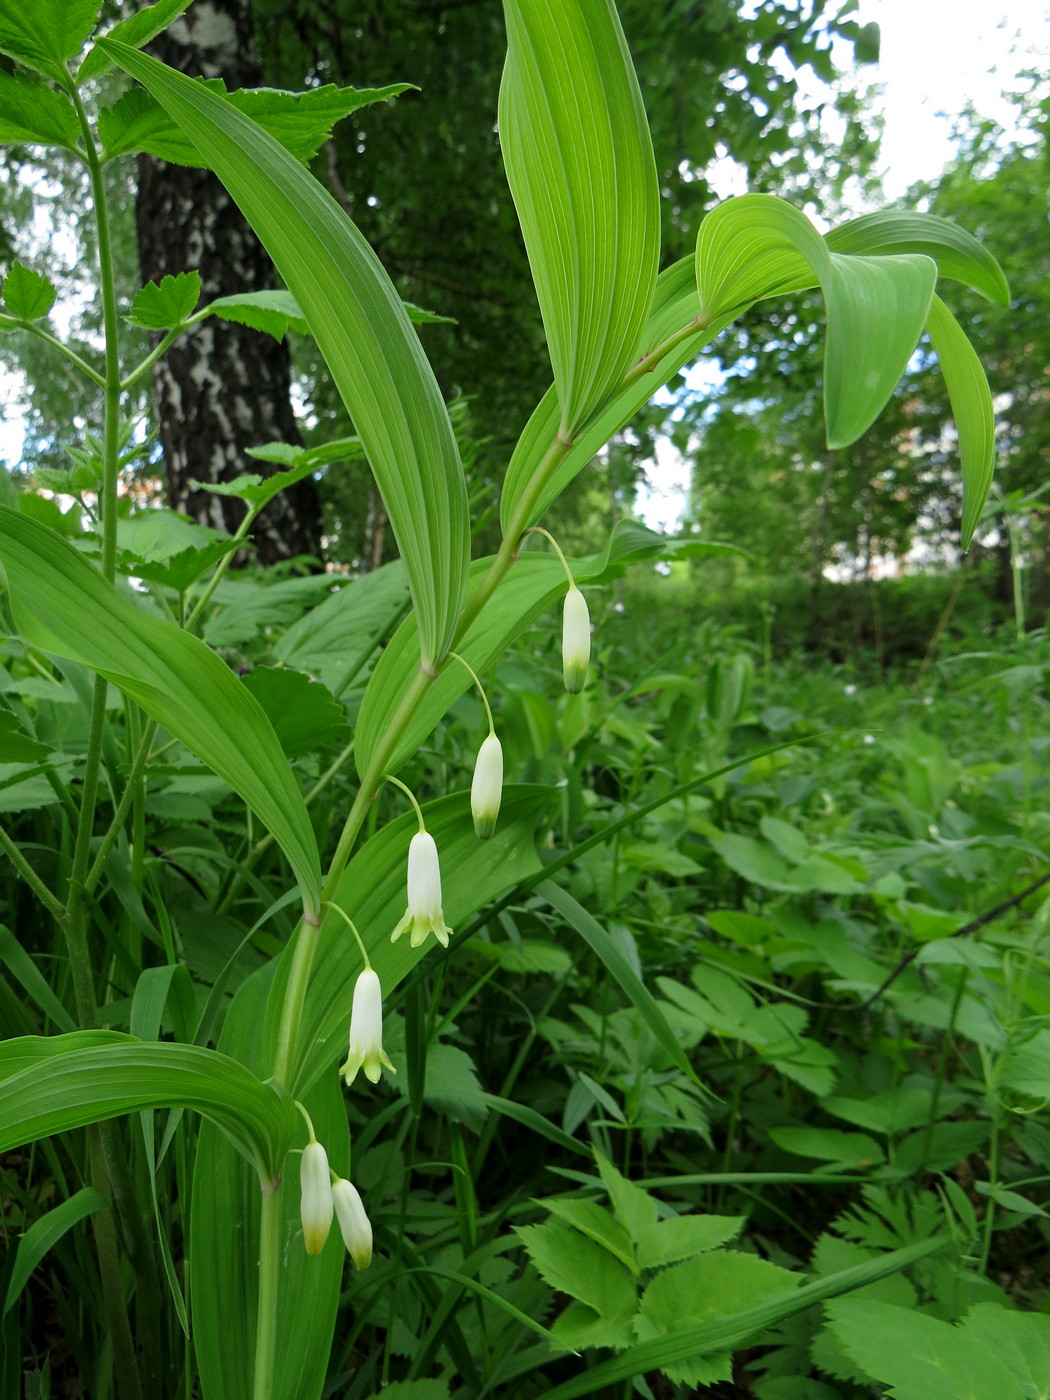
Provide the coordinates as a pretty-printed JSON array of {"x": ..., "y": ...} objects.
[
  {"x": 487, "y": 787},
  {"x": 424, "y": 914},
  {"x": 354, "y": 1225},
  {"x": 316, "y": 1206},
  {"x": 366, "y": 1030},
  {"x": 575, "y": 640}
]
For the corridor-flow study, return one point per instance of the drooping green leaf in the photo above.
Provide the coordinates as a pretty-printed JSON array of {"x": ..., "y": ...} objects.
[
  {"x": 25, "y": 971},
  {"x": 46, "y": 36},
  {"x": 300, "y": 121},
  {"x": 920, "y": 1357},
  {"x": 69, "y": 1081},
  {"x": 44, "y": 1234},
  {"x": 32, "y": 113},
  {"x": 756, "y": 246},
  {"x": 161, "y": 305},
  {"x": 971, "y": 401},
  {"x": 28, "y": 295},
  {"x": 63, "y": 605},
  {"x": 957, "y": 253},
  {"x": 137, "y": 30},
  {"x": 361, "y": 329},
  {"x": 580, "y": 164}
]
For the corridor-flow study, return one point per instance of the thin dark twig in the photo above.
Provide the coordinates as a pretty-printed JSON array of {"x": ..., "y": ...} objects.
[{"x": 972, "y": 927}]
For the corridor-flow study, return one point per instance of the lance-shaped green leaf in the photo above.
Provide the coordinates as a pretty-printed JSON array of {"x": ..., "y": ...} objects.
[
  {"x": 580, "y": 165},
  {"x": 758, "y": 246},
  {"x": 362, "y": 330},
  {"x": 64, "y": 605},
  {"x": 46, "y": 34},
  {"x": 64, "y": 1086},
  {"x": 44, "y": 1234},
  {"x": 971, "y": 401}
]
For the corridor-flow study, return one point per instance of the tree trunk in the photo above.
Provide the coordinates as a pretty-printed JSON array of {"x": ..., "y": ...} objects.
[{"x": 221, "y": 388}]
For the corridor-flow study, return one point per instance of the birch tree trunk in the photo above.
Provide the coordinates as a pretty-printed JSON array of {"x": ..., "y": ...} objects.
[{"x": 222, "y": 388}]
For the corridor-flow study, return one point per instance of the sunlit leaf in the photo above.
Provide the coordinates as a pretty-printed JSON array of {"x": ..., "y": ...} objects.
[
  {"x": 971, "y": 401},
  {"x": 32, "y": 113},
  {"x": 579, "y": 160},
  {"x": 45, "y": 36}
]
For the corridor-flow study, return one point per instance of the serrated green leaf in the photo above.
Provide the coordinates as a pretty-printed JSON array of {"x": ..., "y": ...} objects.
[
  {"x": 575, "y": 1265},
  {"x": 162, "y": 305},
  {"x": 258, "y": 490},
  {"x": 1021, "y": 1341},
  {"x": 155, "y": 535},
  {"x": 53, "y": 1084},
  {"x": 829, "y": 1145},
  {"x": 971, "y": 401},
  {"x": 63, "y": 605},
  {"x": 667, "y": 1241},
  {"x": 45, "y": 36},
  {"x": 957, "y": 253},
  {"x": 597, "y": 1224},
  {"x": 364, "y": 334},
  {"x": 300, "y": 121},
  {"x": 635, "y": 1208},
  {"x": 452, "y": 1086},
  {"x": 137, "y": 30},
  {"x": 920, "y": 1357},
  {"x": 699, "y": 1290},
  {"x": 274, "y": 312},
  {"x": 580, "y": 164},
  {"x": 32, "y": 113},
  {"x": 28, "y": 295}
]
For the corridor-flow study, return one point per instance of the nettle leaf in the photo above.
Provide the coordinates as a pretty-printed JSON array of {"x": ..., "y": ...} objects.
[
  {"x": 580, "y": 165},
  {"x": 365, "y": 336},
  {"x": 28, "y": 295},
  {"x": 137, "y": 30},
  {"x": 275, "y": 312},
  {"x": 668, "y": 1241},
  {"x": 161, "y": 305},
  {"x": 301, "y": 121},
  {"x": 156, "y": 535},
  {"x": 920, "y": 1357},
  {"x": 32, "y": 113},
  {"x": 45, "y": 36},
  {"x": 63, "y": 605},
  {"x": 757, "y": 246},
  {"x": 255, "y": 489},
  {"x": 583, "y": 1269}
]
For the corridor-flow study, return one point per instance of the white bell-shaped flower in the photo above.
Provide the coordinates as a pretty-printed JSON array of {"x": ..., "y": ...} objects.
[
  {"x": 366, "y": 1030},
  {"x": 354, "y": 1225},
  {"x": 575, "y": 640},
  {"x": 424, "y": 914},
  {"x": 316, "y": 1205},
  {"x": 487, "y": 788}
]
